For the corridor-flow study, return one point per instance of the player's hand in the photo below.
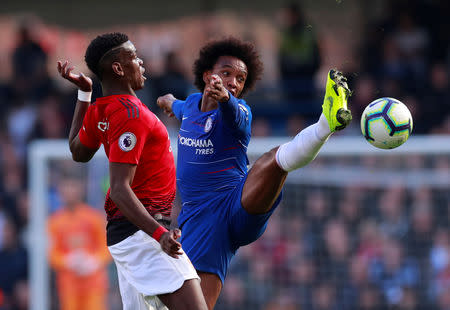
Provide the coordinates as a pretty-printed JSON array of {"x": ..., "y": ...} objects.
[
  {"x": 165, "y": 103},
  {"x": 169, "y": 243},
  {"x": 88, "y": 265},
  {"x": 80, "y": 80},
  {"x": 216, "y": 90}
]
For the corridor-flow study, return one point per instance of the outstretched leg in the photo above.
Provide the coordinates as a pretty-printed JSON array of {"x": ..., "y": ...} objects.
[
  {"x": 267, "y": 176},
  {"x": 188, "y": 297}
]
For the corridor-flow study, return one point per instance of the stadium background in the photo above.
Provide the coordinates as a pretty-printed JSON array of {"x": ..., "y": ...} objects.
[{"x": 351, "y": 246}]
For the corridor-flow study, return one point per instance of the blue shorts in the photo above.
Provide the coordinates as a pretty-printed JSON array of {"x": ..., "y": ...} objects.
[{"x": 212, "y": 234}]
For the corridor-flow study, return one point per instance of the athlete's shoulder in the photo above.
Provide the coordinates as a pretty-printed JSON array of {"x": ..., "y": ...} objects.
[
  {"x": 130, "y": 106},
  {"x": 125, "y": 108},
  {"x": 244, "y": 107},
  {"x": 193, "y": 98}
]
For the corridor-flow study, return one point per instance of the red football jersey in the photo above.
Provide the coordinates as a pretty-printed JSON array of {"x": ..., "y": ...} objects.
[{"x": 131, "y": 133}]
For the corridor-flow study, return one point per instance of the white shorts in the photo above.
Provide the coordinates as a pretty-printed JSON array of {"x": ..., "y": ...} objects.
[{"x": 145, "y": 271}]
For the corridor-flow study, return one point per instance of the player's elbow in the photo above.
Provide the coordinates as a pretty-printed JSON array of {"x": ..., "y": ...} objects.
[
  {"x": 81, "y": 154},
  {"x": 117, "y": 191},
  {"x": 79, "y": 159}
]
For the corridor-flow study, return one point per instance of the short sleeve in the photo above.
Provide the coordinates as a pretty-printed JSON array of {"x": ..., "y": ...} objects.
[
  {"x": 86, "y": 133},
  {"x": 127, "y": 140},
  {"x": 177, "y": 108}
]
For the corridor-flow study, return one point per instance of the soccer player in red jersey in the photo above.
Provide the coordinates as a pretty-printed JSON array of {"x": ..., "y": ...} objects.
[{"x": 152, "y": 267}]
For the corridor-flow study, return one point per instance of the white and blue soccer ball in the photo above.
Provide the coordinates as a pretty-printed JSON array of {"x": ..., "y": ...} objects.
[{"x": 386, "y": 123}]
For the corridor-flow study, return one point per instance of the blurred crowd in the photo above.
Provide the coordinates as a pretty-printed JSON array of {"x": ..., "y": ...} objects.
[
  {"x": 352, "y": 248},
  {"x": 328, "y": 254}
]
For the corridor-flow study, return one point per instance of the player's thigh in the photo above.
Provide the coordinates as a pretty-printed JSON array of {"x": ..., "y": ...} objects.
[
  {"x": 132, "y": 299},
  {"x": 188, "y": 297},
  {"x": 211, "y": 287},
  {"x": 245, "y": 227},
  {"x": 263, "y": 184}
]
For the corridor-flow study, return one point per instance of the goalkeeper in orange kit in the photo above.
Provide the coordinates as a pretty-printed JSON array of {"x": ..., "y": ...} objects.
[{"x": 78, "y": 252}]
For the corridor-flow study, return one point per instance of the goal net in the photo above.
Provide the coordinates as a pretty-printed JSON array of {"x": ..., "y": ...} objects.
[{"x": 357, "y": 228}]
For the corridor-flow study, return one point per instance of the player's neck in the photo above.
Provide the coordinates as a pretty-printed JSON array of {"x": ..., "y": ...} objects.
[
  {"x": 112, "y": 89},
  {"x": 208, "y": 104}
]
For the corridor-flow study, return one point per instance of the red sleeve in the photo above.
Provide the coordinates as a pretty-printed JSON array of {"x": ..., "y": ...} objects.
[
  {"x": 127, "y": 139},
  {"x": 86, "y": 133}
]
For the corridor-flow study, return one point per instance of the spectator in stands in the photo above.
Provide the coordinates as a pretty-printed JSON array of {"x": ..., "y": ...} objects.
[
  {"x": 295, "y": 123},
  {"x": 324, "y": 297},
  {"x": 302, "y": 276},
  {"x": 49, "y": 109},
  {"x": 21, "y": 296},
  {"x": 352, "y": 288},
  {"x": 439, "y": 261},
  {"x": 394, "y": 271},
  {"x": 233, "y": 295},
  {"x": 20, "y": 121},
  {"x": 334, "y": 263},
  {"x": 261, "y": 287},
  {"x": 350, "y": 209},
  {"x": 30, "y": 75},
  {"x": 13, "y": 261},
  {"x": 261, "y": 127},
  {"x": 317, "y": 212},
  {"x": 422, "y": 229},
  {"x": 282, "y": 301},
  {"x": 369, "y": 298},
  {"x": 370, "y": 242},
  {"x": 365, "y": 92},
  {"x": 412, "y": 42},
  {"x": 392, "y": 64},
  {"x": 78, "y": 252},
  {"x": 298, "y": 55},
  {"x": 173, "y": 79},
  {"x": 393, "y": 220},
  {"x": 409, "y": 300},
  {"x": 444, "y": 299},
  {"x": 435, "y": 106}
]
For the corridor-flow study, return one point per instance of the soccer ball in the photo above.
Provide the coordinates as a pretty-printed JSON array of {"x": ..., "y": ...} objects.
[{"x": 386, "y": 123}]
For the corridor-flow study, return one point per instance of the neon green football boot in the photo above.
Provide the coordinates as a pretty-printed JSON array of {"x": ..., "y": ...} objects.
[{"x": 335, "y": 102}]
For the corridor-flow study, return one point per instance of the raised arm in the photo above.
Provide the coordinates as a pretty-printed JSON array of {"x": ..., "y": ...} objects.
[
  {"x": 165, "y": 103},
  {"x": 80, "y": 152},
  {"x": 234, "y": 113}
]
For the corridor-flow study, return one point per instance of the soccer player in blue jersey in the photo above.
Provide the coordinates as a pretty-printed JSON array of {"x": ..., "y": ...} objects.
[{"x": 224, "y": 206}]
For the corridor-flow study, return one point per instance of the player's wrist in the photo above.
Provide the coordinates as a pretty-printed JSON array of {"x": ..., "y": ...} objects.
[
  {"x": 157, "y": 234},
  {"x": 84, "y": 96}
]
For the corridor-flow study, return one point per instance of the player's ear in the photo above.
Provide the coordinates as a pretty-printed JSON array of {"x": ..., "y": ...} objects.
[{"x": 117, "y": 68}]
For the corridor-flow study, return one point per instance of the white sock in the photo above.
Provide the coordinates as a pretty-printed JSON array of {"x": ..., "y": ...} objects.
[{"x": 304, "y": 147}]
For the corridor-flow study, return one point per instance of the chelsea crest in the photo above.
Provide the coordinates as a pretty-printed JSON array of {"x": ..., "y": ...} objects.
[{"x": 208, "y": 124}]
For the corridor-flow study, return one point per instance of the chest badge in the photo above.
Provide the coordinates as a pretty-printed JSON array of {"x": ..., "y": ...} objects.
[
  {"x": 103, "y": 126},
  {"x": 208, "y": 124}
]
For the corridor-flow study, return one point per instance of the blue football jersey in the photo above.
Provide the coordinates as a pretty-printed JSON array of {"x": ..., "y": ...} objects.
[{"x": 212, "y": 150}]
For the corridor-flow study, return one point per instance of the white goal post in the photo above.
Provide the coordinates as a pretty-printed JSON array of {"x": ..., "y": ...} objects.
[{"x": 40, "y": 152}]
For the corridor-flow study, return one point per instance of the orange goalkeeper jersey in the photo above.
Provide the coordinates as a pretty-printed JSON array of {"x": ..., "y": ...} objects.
[{"x": 78, "y": 230}]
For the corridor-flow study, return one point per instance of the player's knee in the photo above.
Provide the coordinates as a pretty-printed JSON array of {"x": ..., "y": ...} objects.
[{"x": 266, "y": 159}]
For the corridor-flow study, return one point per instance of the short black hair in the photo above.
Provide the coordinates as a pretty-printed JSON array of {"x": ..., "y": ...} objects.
[
  {"x": 245, "y": 51},
  {"x": 99, "y": 47}
]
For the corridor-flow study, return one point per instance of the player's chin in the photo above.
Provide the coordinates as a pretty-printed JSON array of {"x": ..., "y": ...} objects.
[{"x": 139, "y": 85}]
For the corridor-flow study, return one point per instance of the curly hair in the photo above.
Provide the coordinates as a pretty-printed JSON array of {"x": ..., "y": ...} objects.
[
  {"x": 245, "y": 51},
  {"x": 99, "y": 47}
]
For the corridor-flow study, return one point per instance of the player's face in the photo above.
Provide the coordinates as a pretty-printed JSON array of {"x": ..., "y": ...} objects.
[
  {"x": 233, "y": 73},
  {"x": 133, "y": 66}
]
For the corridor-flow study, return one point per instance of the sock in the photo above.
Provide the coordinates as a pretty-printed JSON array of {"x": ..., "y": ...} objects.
[{"x": 304, "y": 147}]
